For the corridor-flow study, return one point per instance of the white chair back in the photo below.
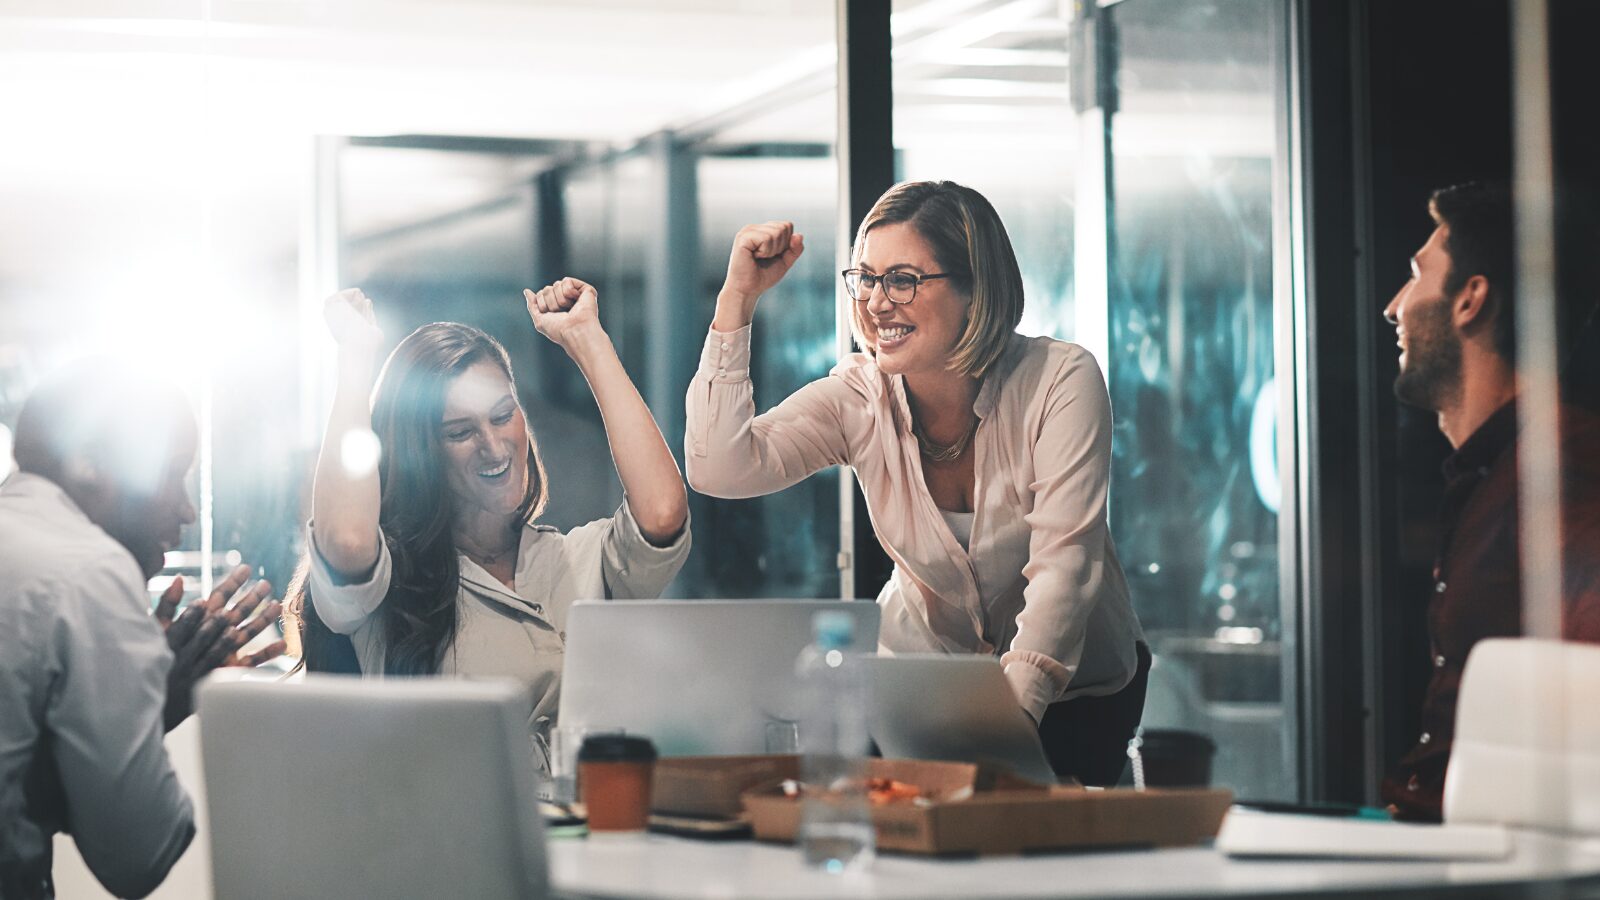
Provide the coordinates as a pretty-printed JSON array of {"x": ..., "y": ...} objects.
[{"x": 1527, "y": 744}]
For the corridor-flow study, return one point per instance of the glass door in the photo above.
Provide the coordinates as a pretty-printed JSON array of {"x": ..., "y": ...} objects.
[{"x": 1182, "y": 227}]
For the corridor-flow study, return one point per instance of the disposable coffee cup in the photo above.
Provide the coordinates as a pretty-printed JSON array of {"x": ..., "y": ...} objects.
[
  {"x": 614, "y": 772},
  {"x": 1175, "y": 758}
]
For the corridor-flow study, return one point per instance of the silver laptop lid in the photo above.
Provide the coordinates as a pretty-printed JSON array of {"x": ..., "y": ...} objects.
[
  {"x": 698, "y": 677},
  {"x": 333, "y": 786},
  {"x": 959, "y": 708}
]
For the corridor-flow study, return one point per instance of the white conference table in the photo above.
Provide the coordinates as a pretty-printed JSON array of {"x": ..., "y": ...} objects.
[{"x": 656, "y": 866}]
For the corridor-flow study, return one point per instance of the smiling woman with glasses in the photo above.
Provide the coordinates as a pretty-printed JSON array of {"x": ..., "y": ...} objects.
[{"x": 984, "y": 456}]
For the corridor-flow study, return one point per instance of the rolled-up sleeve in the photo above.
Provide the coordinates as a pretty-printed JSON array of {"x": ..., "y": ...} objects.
[
  {"x": 731, "y": 452},
  {"x": 1068, "y": 548},
  {"x": 109, "y": 661},
  {"x": 634, "y": 568},
  {"x": 345, "y": 605}
]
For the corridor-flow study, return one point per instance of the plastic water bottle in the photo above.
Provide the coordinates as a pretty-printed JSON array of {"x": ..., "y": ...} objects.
[{"x": 835, "y": 819}]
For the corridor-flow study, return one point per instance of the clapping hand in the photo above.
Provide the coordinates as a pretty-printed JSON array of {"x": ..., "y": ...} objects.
[
  {"x": 565, "y": 311},
  {"x": 210, "y": 633}
]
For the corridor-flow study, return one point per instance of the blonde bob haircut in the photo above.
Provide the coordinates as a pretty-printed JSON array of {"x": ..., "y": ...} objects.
[{"x": 970, "y": 245}]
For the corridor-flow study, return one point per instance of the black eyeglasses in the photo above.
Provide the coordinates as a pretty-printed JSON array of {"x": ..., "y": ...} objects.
[{"x": 900, "y": 287}]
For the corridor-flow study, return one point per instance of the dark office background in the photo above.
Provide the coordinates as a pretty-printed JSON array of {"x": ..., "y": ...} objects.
[{"x": 1406, "y": 96}]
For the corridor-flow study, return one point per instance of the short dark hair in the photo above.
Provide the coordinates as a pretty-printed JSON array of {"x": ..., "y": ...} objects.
[
  {"x": 104, "y": 411},
  {"x": 1478, "y": 216}
]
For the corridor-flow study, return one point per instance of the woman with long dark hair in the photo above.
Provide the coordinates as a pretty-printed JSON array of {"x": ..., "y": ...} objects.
[
  {"x": 985, "y": 458},
  {"x": 430, "y": 561}
]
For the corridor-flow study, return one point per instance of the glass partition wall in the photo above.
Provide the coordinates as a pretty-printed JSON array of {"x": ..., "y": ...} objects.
[{"x": 1196, "y": 321}]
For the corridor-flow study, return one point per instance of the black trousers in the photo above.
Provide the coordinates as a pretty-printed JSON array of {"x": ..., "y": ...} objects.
[{"x": 1087, "y": 737}]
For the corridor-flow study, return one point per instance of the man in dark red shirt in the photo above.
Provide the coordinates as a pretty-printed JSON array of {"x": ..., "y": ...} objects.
[{"x": 1454, "y": 321}]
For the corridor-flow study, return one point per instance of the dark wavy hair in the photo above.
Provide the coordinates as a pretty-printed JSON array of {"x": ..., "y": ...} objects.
[
  {"x": 417, "y": 509},
  {"x": 1481, "y": 242}
]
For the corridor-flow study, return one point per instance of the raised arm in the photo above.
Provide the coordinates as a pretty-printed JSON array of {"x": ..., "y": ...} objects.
[
  {"x": 729, "y": 451},
  {"x": 568, "y": 312},
  {"x": 344, "y": 500}
]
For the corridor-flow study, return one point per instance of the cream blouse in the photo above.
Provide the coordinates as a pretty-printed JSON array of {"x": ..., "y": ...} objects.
[{"x": 1040, "y": 586}]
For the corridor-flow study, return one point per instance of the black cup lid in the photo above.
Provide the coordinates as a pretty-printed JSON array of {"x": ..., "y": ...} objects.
[
  {"x": 1162, "y": 741},
  {"x": 616, "y": 748}
]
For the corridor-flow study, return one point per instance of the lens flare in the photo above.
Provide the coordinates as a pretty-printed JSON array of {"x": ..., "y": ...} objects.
[{"x": 359, "y": 452}]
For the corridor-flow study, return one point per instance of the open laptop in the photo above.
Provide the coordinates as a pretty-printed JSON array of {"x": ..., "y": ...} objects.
[
  {"x": 943, "y": 707},
  {"x": 405, "y": 788},
  {"x": 698, "y": 677}
]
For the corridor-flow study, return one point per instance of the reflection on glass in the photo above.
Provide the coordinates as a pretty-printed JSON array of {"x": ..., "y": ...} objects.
[{"x": 1191, "y": 370}]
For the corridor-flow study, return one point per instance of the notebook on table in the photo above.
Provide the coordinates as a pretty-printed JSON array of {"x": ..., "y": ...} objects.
[{"x": 1249, "y": 832}]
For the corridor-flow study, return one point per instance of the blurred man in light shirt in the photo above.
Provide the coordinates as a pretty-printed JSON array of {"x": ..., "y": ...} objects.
[{"x": 90, "y": 679}]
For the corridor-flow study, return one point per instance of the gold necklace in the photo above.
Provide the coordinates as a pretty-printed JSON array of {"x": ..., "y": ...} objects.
[{"x": 947, "y": 453}]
